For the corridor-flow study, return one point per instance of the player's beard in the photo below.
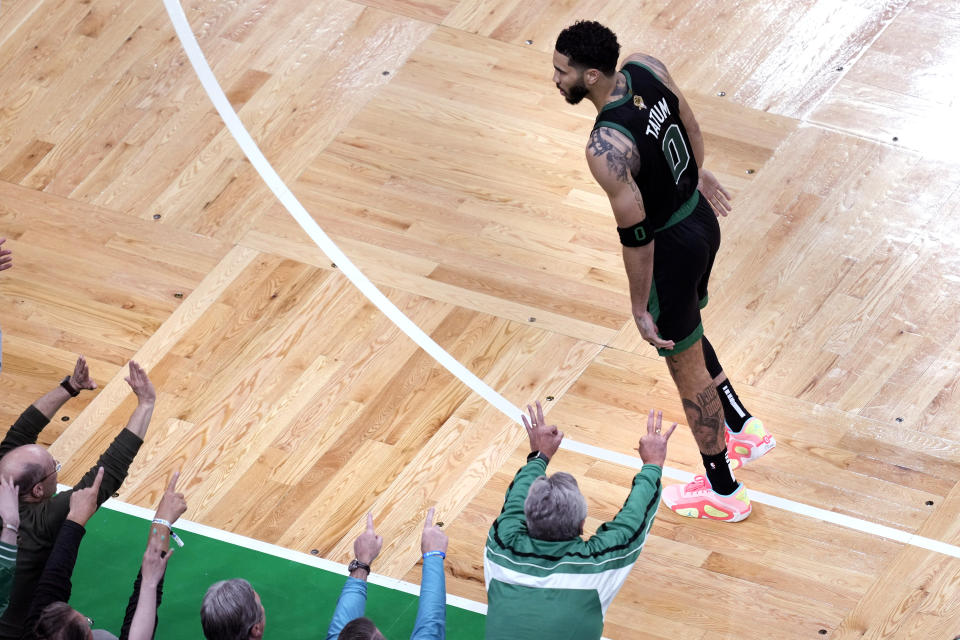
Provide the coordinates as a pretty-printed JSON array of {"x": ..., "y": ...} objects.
[{"x": 577, "y": 92}]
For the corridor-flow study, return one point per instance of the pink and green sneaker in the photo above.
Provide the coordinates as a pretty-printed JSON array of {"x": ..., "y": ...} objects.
[
  {"x": 697, "y": 499},
  {"x": 752, "y": 442}
]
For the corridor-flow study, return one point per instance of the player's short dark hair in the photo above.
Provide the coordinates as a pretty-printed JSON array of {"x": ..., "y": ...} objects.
[{"x": 590, "y": 45}]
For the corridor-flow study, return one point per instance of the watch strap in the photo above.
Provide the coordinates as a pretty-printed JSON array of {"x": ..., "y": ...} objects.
[
  {"x": 533, "y": 455},
  {"x": 73, "y": 391},
  {"x": 356, "y": 564}
]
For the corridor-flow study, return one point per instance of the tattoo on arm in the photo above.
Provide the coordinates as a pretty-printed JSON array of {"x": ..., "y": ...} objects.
[
  {"x": 636, "y": 193},
  {"x": 622, "y": 160},
  {"x": 599, "y": 142},
  {"x": 654, "y": 64}
]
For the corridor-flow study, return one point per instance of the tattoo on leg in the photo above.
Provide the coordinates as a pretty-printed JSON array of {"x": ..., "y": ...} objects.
[
  {"x": 706, "y": 420},
  {"x": 709, "y": 399}
]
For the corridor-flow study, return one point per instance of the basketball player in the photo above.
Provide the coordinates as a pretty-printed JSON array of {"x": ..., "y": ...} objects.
[{"x": 646, "y": 151}]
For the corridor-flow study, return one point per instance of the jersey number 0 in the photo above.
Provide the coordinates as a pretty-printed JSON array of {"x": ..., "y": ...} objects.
[{"x": 675, "y": 151}]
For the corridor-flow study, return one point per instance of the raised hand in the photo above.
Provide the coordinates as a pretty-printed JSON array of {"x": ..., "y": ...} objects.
[
  {"x": 154, "y": 562},
  {"x": 653, "y": 445},
  {"x": 433, "y": 537},
  {"x": 6, "y": 257},
  {"x": 140, "y": 384},
  {"x": 83, "y": 502},
  {"x": 9, "y": 502},
  {"x": 367, "y": 545},
  {"x": 543, "y": 437},
  {"x": 714, "y": 192},
  {"x": 80, "y": 378},
  {"x": 172, "y": 504}
]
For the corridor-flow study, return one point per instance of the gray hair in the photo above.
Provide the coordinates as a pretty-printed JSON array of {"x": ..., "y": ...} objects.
[
  {"x": 555, "y": 508},
  {"x": 229, "y": 610}
]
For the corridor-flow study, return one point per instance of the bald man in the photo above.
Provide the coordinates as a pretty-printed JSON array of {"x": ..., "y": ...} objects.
[{"x": 32, "y": 468}]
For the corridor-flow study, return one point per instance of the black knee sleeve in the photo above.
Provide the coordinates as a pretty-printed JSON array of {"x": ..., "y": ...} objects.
[{"x": 710, "y": 357}]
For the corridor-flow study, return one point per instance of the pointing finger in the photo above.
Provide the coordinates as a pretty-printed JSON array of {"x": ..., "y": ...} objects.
[
  {"x": 370, "y": 521},
  {"x": 429, "y": 522},
  {"x": 172, "y": 485},
  {"x": 96, "y": 482}
]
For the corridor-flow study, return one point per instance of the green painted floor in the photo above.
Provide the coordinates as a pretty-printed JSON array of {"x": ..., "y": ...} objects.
[{"x": 299, "y": 599}]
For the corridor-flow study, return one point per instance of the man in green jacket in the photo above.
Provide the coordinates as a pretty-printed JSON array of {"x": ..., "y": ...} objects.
[{"x": 543, "y": 579}]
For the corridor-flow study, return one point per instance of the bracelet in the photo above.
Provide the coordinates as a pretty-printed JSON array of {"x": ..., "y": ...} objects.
[
  {"x": 7, "y": 525},
  {"x": 430, "y": 554},
  {"x": 173, "y": 535}
]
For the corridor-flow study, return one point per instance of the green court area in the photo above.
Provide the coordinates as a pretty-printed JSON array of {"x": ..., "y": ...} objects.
[{"x": 299, "y": 599}]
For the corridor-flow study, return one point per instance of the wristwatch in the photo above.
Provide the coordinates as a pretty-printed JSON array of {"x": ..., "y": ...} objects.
[
  {"x": 533, "y": 455},
  {"x": 73, "y": 391},
  {"x": 356, "y": 564}
]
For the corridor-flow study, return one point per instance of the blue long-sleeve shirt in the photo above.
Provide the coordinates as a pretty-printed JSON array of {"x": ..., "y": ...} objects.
[{"x": 431, "y": 621}]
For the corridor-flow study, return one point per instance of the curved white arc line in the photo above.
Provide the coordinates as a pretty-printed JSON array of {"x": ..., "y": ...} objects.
[{"x": 309, "y": 225}]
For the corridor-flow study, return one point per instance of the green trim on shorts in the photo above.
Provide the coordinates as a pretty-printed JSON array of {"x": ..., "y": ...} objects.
[
  {"x": 685, "y": 210},
  {"x": 704, "y": 300},
  {"x": 684, "y": 344},
  {"x": 653, "y": 302},
  {"x": 614, "y": 125}
]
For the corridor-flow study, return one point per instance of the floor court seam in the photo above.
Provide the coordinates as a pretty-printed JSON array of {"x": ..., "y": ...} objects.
[{"x": 367, "y": 288}]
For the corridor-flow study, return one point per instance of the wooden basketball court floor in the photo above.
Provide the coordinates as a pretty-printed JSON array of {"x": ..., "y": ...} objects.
[{"x": 427, "y": 139}]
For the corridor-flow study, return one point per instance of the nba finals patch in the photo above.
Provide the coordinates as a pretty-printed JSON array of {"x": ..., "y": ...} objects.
[{"x": 638, "y": 102}]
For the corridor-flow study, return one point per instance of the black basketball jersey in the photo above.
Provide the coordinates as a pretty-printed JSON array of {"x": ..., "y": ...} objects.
[{"x": 650, "y": 116}]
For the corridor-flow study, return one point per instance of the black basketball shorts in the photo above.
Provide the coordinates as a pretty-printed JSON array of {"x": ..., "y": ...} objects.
[{"x": 682, "y": 259}]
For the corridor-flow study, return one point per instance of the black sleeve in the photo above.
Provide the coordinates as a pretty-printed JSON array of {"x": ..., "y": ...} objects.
[
  {"x": 115, "y": 462},
  {"x": 54, "y": 584},
  {"x": 132, "y": 607},
  {"x": 24, "y": 431}
]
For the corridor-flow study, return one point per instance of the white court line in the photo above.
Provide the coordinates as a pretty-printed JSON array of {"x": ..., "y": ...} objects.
[
  {"x": 783, "y": 503},
  {"x": 286, "y": 554},
  {"x": 309, "y": 225}
]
